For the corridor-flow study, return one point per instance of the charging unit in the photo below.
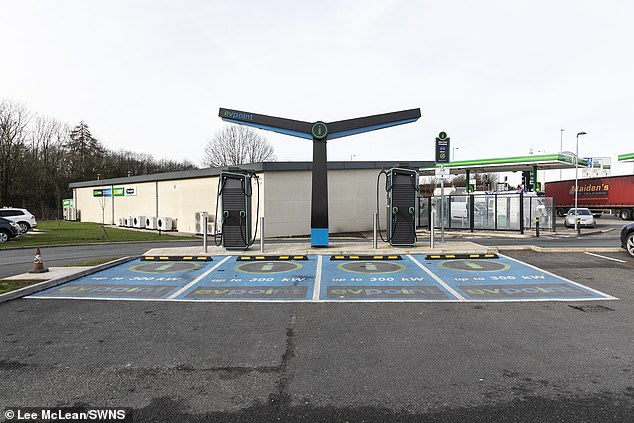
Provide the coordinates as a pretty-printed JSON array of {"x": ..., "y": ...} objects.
[
  {"x": 402, "y": 188},
  {"x": 234, "y": 196}
]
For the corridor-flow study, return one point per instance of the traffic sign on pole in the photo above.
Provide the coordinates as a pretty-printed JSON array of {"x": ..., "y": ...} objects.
[{"x": 442, "y": 148}]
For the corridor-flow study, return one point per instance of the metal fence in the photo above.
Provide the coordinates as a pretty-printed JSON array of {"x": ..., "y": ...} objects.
[{"x": 500, "y": 212}]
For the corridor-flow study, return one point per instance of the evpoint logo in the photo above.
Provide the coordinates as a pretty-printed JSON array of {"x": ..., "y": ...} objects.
[{"x": 238, "y": 115}]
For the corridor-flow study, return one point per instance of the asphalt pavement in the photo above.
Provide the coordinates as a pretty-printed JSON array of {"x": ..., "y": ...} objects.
[
  {"x": 326, "y": 362},
  {"x": 17, "y": 261}
]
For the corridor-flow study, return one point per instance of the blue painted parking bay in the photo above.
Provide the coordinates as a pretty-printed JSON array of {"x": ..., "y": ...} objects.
[{"x": 326, "y": 278}]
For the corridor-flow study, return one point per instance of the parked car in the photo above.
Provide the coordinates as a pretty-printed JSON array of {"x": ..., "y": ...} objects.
[
  {"x": 585, "y": 218},
  {"x": 22, "y": 217},
  {"x": 627, "y": 238},
  {"x": 8, "y": 230}
]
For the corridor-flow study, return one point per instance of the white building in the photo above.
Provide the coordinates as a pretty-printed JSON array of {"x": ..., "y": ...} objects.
[{"x": 285, "y": 195}]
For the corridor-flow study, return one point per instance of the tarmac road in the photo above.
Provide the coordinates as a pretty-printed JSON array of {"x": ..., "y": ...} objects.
[
  {"x": 325, "y": 362},
  {"x": 14, "y": 262}
]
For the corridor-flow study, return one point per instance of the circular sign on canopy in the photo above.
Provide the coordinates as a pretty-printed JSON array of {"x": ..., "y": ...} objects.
[{"x": 319, "y": 130}]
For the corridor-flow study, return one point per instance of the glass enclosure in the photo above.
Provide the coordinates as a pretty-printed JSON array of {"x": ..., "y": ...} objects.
[{"x": 507, "y": 211}]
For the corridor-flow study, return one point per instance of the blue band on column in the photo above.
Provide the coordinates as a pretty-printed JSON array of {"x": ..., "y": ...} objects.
[{"x": 318, "y": 237}]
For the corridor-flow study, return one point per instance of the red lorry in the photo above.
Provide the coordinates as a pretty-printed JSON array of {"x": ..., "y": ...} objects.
[{"x": 613, "y": 193}]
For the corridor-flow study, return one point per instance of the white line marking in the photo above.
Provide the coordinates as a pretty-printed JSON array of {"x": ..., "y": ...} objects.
[
  {"x": 187, "y": 300},
  {"x": 607, "y": 297},
  {"x": 437, "y": 279},
  {"x": 195, "y": 281},
  {"x": 607, "y": 258},
  {"x": 317, "y": 285}
]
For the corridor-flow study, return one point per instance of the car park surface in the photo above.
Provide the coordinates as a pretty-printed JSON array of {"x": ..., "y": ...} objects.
[
  {"x": 333, "y": 361},
  {"x": 323, "y": 278}
]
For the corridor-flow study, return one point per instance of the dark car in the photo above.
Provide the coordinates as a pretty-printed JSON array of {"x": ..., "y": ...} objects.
[
  {"x": 627, "y": 238},
  {"x": 8, "y": 230}
]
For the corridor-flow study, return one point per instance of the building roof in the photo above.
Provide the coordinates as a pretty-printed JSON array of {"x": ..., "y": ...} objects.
[{"x": 256, "y": 167}]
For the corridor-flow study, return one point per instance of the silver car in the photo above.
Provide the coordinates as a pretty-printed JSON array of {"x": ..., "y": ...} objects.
[{"x": 585, "y": 218}]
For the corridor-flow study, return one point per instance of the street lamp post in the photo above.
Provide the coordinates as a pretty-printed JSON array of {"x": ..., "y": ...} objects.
[
  {"x": 576, "y": 182},
  {"x": 561, "y": 146}
]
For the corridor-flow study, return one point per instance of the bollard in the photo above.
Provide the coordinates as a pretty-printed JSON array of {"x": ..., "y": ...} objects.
[
  {"x": 375, "y": 241},
  {"x": 431, "y": 229},
  {"x": 537, "y": 227},
  {"x": 205, "y": 233},
  {"x": 578, "y": 226},
  {"x": 261, "y": 234},
  {"x": 38, "y": 265}
]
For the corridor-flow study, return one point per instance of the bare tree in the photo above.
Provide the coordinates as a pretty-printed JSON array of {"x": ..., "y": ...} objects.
[
  {"x": 234, "y": 145},
  {"x": 14, "y": 118}
]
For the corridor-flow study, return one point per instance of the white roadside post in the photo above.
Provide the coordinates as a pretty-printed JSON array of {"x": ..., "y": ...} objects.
[{"x": 442, "y": 173}]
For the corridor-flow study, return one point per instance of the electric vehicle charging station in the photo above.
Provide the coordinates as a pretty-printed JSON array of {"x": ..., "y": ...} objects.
[
  {"x": 234, "y": 195},
  {"x": 320, "y": 132},
  {"x": 401, "y": 189}
]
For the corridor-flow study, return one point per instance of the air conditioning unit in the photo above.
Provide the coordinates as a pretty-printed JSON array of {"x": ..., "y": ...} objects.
[
  {"x": 122, "y": 221},
  {"x": 138, "y": 222},
  {"x": 199, "y": 219},
  {"x": 211, "y": 228},
  {"x": 70, "y": 213},
  {"x": 164, "y": 223},
  {"x": 150, "y": 222},
  {"x": 125, "y": 222},
  {"x": 130, "y": 221}
]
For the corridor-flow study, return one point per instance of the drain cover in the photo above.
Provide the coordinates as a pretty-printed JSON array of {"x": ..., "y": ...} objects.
[{"x": 591, "y": 308}]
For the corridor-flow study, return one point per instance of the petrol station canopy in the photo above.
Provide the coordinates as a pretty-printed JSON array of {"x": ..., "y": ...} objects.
[
  {"x": 626, "y": 157},
  {"x": 511, "y": 164}
]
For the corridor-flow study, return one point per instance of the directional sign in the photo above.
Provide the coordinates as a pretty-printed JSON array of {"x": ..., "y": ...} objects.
[
  {"x": 442, "y": 148},
  {"x": 442, "y": 173}
]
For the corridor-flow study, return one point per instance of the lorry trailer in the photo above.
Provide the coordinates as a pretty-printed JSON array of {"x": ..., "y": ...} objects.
[{"x": 614, "y": 194}]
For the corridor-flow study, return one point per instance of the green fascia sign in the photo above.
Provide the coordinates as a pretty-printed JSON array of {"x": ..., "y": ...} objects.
[
  {"x": 516, "y": 160},
  {"x": 626, "y": 157},
  {"x": 118, "y": 192}
]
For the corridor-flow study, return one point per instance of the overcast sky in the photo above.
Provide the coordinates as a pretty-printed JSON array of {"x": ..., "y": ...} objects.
[{"x": 500, "y": 77}]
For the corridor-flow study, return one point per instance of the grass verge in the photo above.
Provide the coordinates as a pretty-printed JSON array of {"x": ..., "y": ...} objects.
[
  {"x": 51, "y": 232},
  {"x": 7, "y": 285}
]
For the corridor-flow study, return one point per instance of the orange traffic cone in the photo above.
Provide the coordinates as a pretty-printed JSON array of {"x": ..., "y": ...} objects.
[{"x": 38, "y": 266}]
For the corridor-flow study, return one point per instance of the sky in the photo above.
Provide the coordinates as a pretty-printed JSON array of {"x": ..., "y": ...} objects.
[{"x": 502, "y": 78}]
